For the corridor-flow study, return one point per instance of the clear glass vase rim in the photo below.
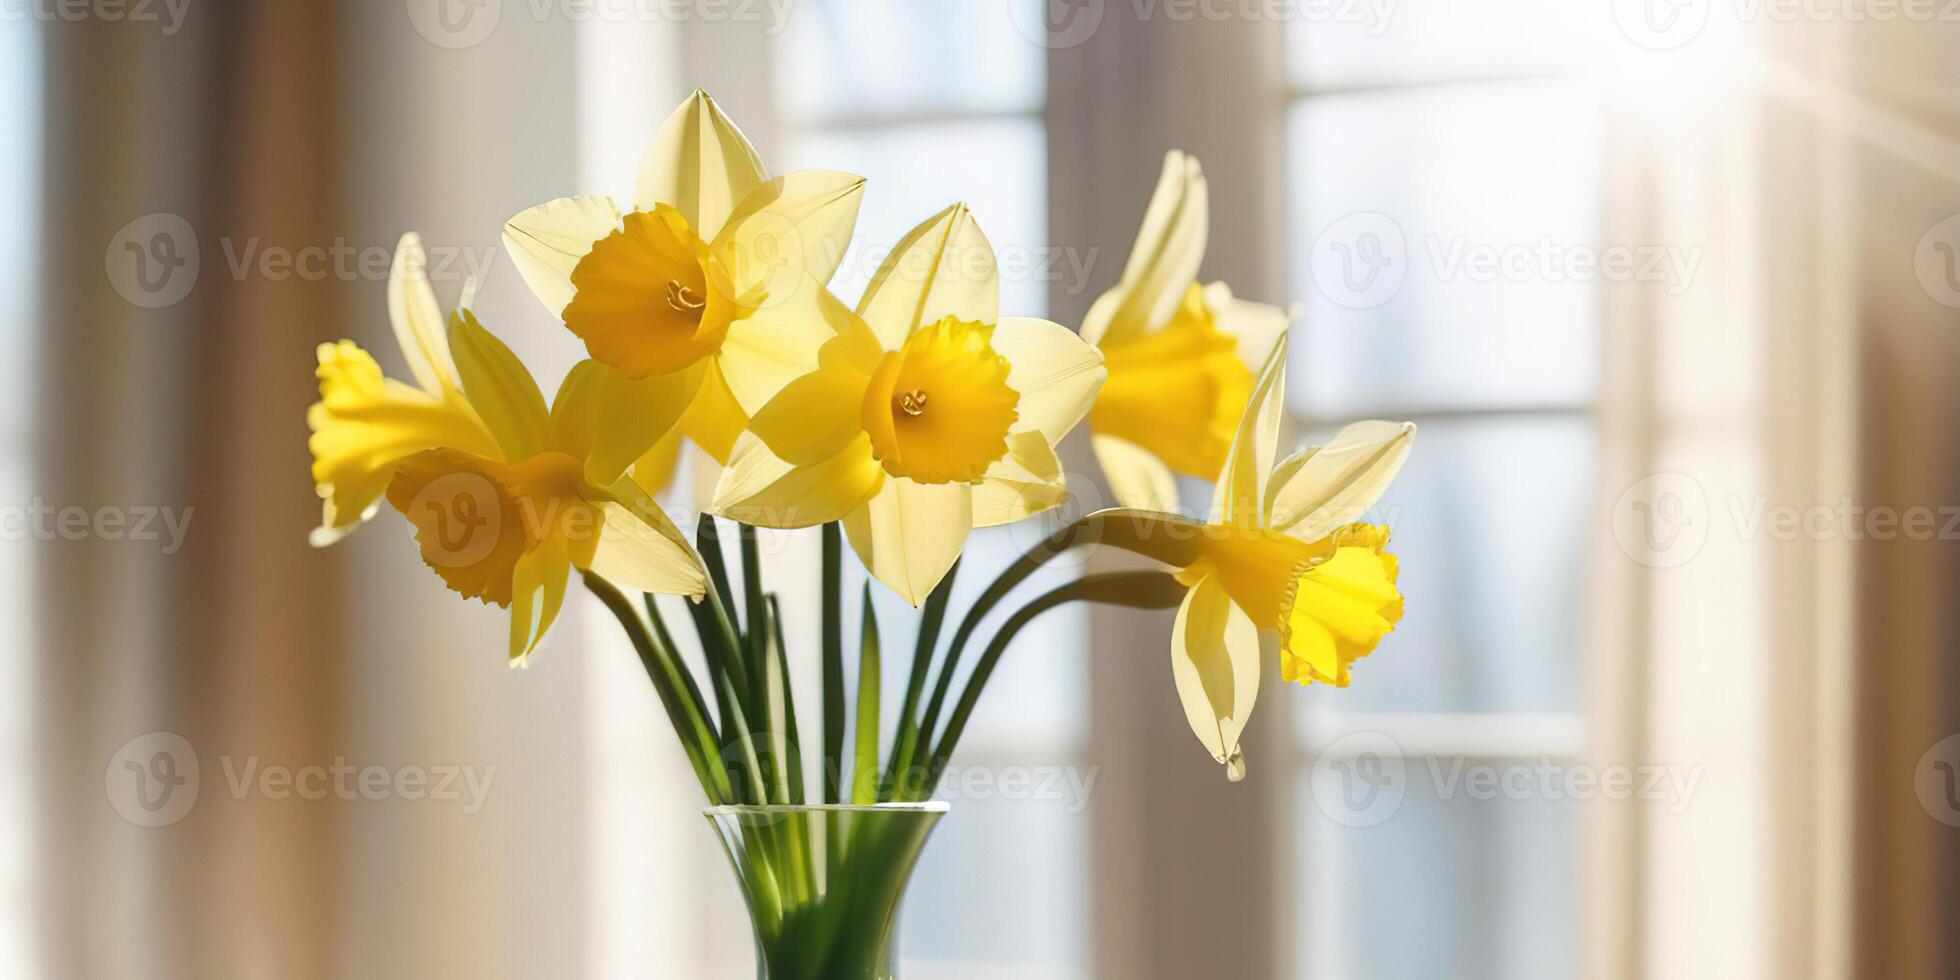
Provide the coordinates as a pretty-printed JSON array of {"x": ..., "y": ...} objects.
[{"x": 739, "y": 809}]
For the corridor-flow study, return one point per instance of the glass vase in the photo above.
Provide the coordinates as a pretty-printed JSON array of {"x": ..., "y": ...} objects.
[{"x": 824, "y": 883}]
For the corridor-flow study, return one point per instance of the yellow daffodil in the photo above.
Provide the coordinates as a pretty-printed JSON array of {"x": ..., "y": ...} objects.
[
  {"x": 1280, "y": 554},
  {"x": 505, "y": 497},
  {"x": 1181, "y": 355},
  {"x": 710, "y": 283},
  {"x": 509, "y": 526},
  {"x": 365, "y": 424},
  {"x": 929, "y": 414}
]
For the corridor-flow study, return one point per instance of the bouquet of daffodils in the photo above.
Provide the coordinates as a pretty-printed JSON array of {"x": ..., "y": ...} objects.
[{"x": 898, "y": 426}]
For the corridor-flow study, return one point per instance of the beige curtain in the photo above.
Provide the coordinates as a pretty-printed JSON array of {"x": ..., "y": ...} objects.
[{"x": 283, "y": 126}]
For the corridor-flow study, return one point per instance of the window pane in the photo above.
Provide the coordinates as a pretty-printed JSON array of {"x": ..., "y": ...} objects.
[
  {"x": 1445, "y": 884},
  {"x": 869, "y": 57},
  {"x": 1002, "y": 891},
  {"x": 998, "y": 166},
  {"x": 1385, "y": 43},
  {"x": 1440, "y": 249},
  {"x": 1490, "y": 576}
]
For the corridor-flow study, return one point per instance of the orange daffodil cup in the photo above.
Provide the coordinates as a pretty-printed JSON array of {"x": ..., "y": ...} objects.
[
  {"x": 1281, "y": 555},
  {"x": 929, "y": 414},
  {"x": 710, "y": 283},
  {"x": 1180, "y": 354},
  {"x": 505, "y": 497}
]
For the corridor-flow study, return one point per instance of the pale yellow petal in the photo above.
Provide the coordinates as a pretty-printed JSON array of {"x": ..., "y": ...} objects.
[
  {"x": 499, "y": 387},
  {"x": 760, "y": 488},
  {"x": 1215, "y": 663},
  {"x": 417, "y": 318},
  {"x": 539, "y": 594},
  {"x": 1169, "y": 248},
  {"x": 1025, "y": 482},
  {"x": 794, "y": 226},
  {"x": 1256, "y": 326},
  {"x": 910, "y": 534},
  {"x": 640, "y": 548},
  {"x": 714, "y": 418},
  {"x": 609, "y": 420},
  {"x": 654, "y": 471},
  {"x": 816, "y": 415},
  {"x": 780, "y": 342},
  {"x": 1136, "y": 478},
  {"x": 944, "y": 267},
  {"x": 1056, "y": 373},
  {"x": 699, "y": 163},
  {"x": 1240, "y": 497},
  {"x": 1321, "y": 489},
  {"x": 546, "y": 243}
]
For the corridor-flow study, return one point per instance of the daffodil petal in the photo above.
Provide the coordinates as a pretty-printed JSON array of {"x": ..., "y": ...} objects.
[
  {"x": 1256, "y": 326},
  {"x": 539, "y": 592},
  {"x": 1025, "y": 482},
  {"x": 364, "y": 424},
  {"x": 1056, "y": 373},
  {"x": 797, "y": 225},
  {"x": 609, "y": 420},
  {"x": 417, "y": 318},
  {"x": 1136, "y": 478},
  {"x": 1215, "y": 664},
  {"x": 1169, "y": 248},
  {"x": 499, "y": 387},
  {"x": 1321, "y": 489},
  {"x": 640, "y": 548},
  {"x": 700, "y": 163},
  {"x": 714, "y": 419},
  {"x": 761, "y": 489},
  {"x": 1241, "y": 494},
  {"x": 546, "y": 243},
  {"x": 779, "y": 343},
  {"x": 654, "y": 470},
  {"x": 909, "y": 534},
  {"x": 816, "y": 415},
  {"x": 944, "y": 267}
]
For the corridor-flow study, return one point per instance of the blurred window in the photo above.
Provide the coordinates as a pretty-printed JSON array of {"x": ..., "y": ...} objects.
[{"x": 1443, "y": 184}]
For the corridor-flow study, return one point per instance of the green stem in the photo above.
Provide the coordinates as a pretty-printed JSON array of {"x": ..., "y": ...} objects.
[
  {"x": 675, "y": 687},
  {"x": 833, "y": 663},
  {"x": 778, "y": 654},
  {"x": 864, "y": 782},
  {"x": 907, "y": 740},
  {"x": 1138, "y": 590},
  {"x": 1004, "y": 583}
]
